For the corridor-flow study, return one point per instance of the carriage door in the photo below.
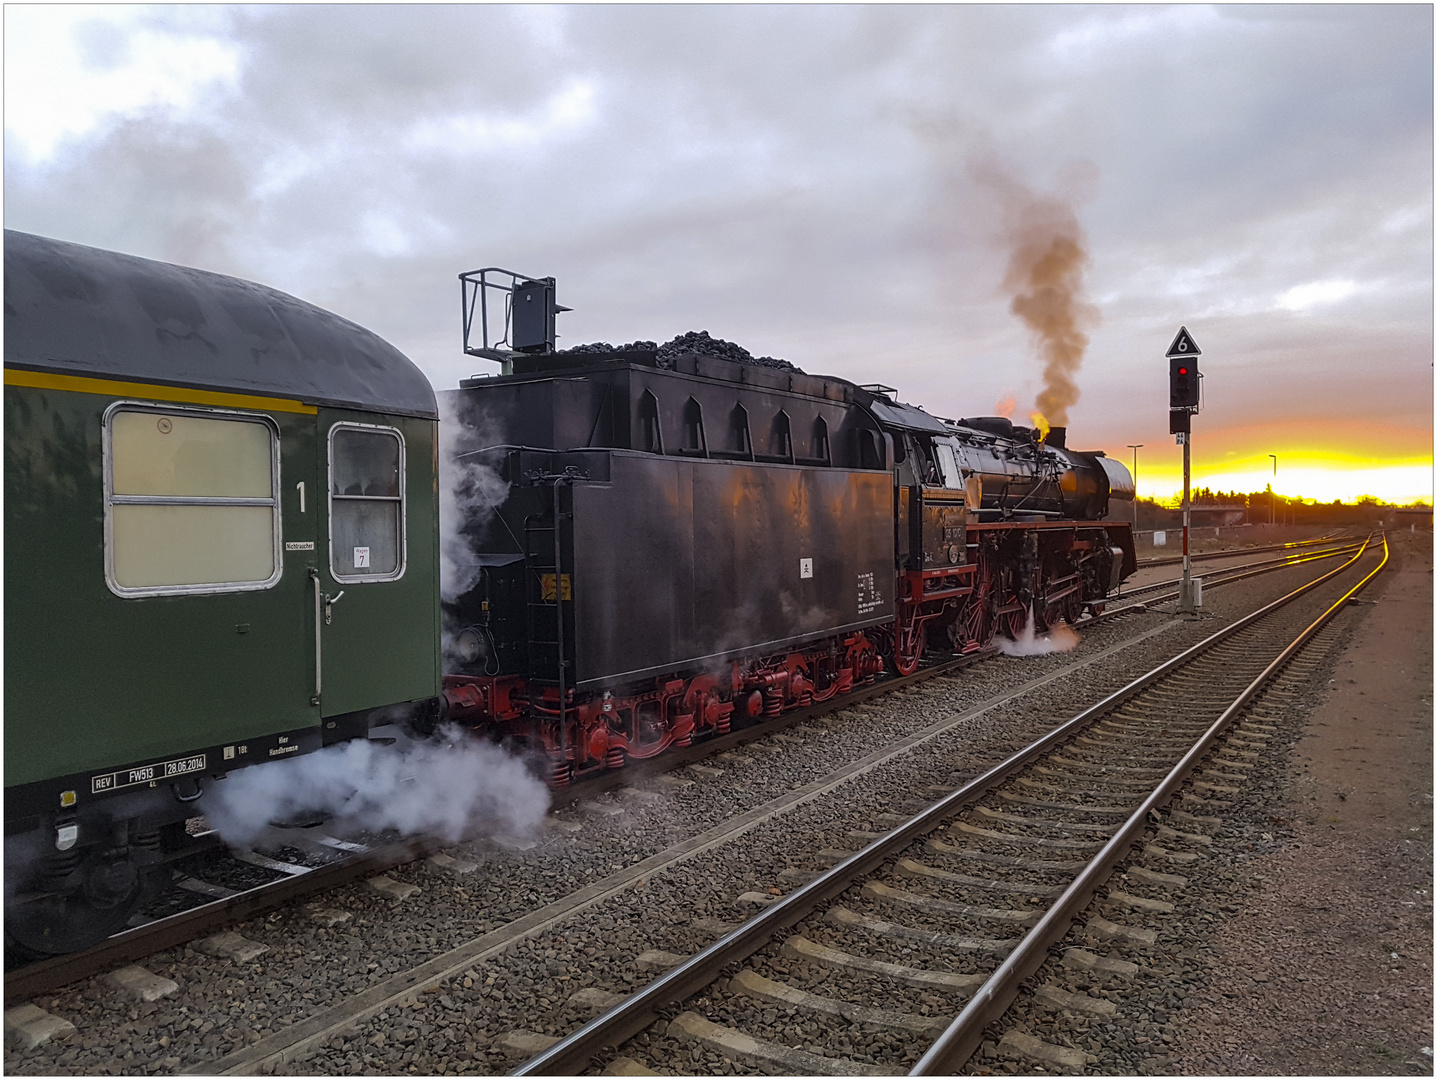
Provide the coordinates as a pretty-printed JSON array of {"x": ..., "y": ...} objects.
[{"x": 361, "y": 569}]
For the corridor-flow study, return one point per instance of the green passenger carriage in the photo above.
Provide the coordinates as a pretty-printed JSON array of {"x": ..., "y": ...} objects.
[{"x": 221, "y": 548}]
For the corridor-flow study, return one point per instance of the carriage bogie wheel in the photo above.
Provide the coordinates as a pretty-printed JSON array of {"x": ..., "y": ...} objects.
[{"x": 52, "y": 924}]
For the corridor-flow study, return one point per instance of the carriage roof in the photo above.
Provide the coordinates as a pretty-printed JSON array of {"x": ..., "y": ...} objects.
[{"x": 79, "y": 310}]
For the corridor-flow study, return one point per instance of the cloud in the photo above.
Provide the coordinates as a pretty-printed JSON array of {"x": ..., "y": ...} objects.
[
  {"x": 1317, "y": 293},
  {"x": 83, "y": 68},
  {"x": 790, "y": 177},
  {"x": 571, "y": 107}
]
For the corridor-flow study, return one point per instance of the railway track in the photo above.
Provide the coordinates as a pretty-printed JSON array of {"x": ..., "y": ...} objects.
[
  {"x": 983, "y": 882},
  {"x": 1169, "y": 560},
  {"x": 1228, "y": 574},
  {"x": 211, "y": 892},
  {"x": 971, "y": 723}
]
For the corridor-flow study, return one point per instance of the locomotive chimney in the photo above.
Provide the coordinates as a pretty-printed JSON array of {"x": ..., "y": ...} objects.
[{"x": 1057, "y": 437}]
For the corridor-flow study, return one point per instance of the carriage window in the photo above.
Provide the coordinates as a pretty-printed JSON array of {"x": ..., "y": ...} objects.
[
  {"x": 190, "y": 503},
  {"x": 366, "y": 503}
]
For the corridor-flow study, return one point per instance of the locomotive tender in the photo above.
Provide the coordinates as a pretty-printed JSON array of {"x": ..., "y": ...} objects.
[{"x": 222, "y": 547}]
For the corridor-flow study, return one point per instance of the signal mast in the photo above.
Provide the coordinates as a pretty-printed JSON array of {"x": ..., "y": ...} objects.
[{"x": 1183, "y": 398}]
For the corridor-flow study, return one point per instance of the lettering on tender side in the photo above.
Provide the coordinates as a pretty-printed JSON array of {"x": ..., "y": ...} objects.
[{"x": 869, "y": 598}]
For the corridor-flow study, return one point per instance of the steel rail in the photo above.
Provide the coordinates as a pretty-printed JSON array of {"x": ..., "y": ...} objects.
[
  {"x": 1168, "y": 560},
  {"x": 957, "y": 1044},
  {"x": 50, "y": 974},
  {"x": 637, "y": 1011},
  {"x": 136, "y": 943},
  {"x": 1295, "y": 558},
  {"x": 1232, "y": 574},
  {"x": 46, "y": 976}
]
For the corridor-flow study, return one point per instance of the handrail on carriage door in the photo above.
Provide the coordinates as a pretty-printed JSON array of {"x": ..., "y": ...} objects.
[{"x": 318, "y": 635}]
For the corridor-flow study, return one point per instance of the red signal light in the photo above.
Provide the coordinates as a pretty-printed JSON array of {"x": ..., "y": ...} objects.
[{"x": 1182, "y": 384}]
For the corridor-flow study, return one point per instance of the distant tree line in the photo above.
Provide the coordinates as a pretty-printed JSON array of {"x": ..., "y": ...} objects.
[{"x": 1265, "y": 506}]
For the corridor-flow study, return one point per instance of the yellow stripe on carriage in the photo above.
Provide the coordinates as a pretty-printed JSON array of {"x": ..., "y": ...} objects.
[{"x": 80, "y": 384}]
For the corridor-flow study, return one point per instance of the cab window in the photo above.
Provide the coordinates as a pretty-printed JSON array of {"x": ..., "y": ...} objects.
[
  {"x": 366, "y": 503},
  {"x": 948, "y": 465},
  {"x": 190, "y": 503}
]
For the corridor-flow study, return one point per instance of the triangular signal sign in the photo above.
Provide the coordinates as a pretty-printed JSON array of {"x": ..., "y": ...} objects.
[{"x": 1183, "y": 344}]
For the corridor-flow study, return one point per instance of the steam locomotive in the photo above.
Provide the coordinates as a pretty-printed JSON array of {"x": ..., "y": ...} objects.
[
  {"x": 692, "y": 542},
  {"x": 223, "y": 548}
]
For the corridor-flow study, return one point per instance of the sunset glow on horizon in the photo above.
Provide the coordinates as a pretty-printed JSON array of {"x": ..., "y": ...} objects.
[
  {"x": 1304, "y": 471},
  {"x": 1399, "y": 484},
  {"x": 1318, "y": 459}
]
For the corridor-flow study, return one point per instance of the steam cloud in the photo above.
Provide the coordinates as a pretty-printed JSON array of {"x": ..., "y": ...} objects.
[
  {"x": 1061, "y": 638},
  {"x": 453, "y": 788},
  {"x": 470, "y": 490},
  {"x": 1006, "y": 407},
  {"x": 1047, "y": 257}
]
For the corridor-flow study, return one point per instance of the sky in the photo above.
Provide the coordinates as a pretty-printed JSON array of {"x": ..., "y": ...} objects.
[{"x": 834, "y": 185}]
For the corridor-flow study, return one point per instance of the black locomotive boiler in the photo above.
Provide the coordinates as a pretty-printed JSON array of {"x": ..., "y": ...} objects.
[{"x": 691, "y": 542}]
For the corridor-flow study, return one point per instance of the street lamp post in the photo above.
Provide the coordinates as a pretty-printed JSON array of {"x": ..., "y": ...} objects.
[
  {"x": 1272, "y": 501},
  {"x": 1134, "y": 448}
]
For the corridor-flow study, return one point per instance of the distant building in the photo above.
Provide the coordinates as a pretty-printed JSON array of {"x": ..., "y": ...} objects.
[{"x": 1415, "y": 515}]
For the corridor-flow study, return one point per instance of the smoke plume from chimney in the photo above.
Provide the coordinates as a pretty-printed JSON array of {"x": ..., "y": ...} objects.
[{"x": 1047, "y": 257}]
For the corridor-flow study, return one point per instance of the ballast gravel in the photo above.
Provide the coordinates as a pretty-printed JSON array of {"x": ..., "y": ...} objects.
[{"x": 222, "y": 1006}]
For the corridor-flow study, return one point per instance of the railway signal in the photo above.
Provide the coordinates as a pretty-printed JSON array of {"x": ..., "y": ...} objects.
[
  {"x": 1182, "y": 383},
  {"x": 1183, "y": 399}
]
